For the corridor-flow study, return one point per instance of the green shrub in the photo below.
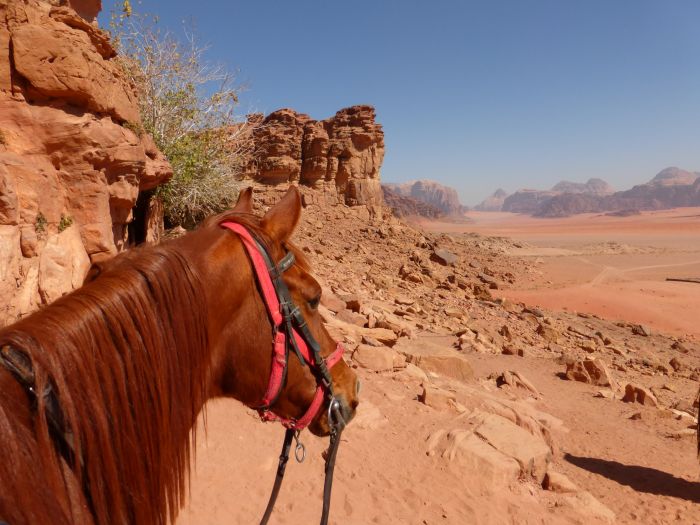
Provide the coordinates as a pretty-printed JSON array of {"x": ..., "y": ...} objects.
[
  {"x": 65, "y": 222},
  {"x": 189, "y": 107},
  {"x": 40, "y": 223}
]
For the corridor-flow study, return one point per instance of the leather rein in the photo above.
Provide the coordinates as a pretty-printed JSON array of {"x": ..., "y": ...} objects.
[{"x": 291, "y": 333}]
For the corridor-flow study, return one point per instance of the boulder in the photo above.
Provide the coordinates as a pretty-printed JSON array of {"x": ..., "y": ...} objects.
[
  {"x": 532, "y": 453},
  {"x": 436, "y": 358},
  {"x": 444, "y": 257},
  {"x": 557, "y": 482},
  {"x": 640, "y": 329},
  {"x": 378, "y": 359},
  {"x": 639, "y": 394},
  {"x": 437, "y": 398},
  {"x": 591, "y": 371}
]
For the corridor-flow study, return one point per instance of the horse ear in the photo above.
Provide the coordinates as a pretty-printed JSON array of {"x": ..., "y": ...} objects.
[
  {"x": 245, "y": 201},
  {"x": 281, "y": 220}
]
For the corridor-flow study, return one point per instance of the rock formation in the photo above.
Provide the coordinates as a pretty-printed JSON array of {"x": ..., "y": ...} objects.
[
  {"x": 342, "y": 155},
  {"x": 494, "y": 202},
  {"x": 406, "y": 206},
  {"x": 531, "y": 201},
  {"x": 71, "y": 164},
  {"x": 590, "y": 187},
  {"x": 432, "y": 193},
  {"x": 526, "y": 201},
  {"x": 670, "y": 188}
]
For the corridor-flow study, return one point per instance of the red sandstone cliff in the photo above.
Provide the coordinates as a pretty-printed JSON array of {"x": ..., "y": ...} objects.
[
  {"x": 342, "y": 155},
  {"x": 70, "y": 165}
]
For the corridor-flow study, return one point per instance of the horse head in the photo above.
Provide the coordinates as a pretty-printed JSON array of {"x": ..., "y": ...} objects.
[{"x": 241, "y": 332}]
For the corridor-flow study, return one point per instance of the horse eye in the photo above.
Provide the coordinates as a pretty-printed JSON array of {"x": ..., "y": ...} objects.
[{"x": 313, "y": 303}]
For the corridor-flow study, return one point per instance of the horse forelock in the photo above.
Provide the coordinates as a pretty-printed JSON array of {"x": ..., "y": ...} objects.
[{"x": 127, "y": 356}]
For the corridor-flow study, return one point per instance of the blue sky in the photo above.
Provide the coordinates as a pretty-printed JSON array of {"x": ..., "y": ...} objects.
[{"x": 477, "y": 95}]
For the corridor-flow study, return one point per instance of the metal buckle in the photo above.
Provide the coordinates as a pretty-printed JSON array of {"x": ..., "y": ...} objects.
[{"x": 335, "y": 418}]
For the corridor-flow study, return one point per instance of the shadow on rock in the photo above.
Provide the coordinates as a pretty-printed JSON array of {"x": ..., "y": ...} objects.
[{"x": 642, "y": 479}]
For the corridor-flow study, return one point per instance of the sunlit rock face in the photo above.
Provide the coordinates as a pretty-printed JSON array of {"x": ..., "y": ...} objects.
[
  {"x": 71, "y": 163},
  {"x": 342, "y": 154}
]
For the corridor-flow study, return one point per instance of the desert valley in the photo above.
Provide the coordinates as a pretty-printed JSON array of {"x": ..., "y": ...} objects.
[{"x": 534, "y": 359}]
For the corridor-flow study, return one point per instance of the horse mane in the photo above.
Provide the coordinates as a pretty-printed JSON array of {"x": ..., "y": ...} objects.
[{"x": 126, "y": 356}]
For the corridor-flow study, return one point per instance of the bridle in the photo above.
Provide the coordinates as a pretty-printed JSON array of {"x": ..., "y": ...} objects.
[{"x": 290, "y": 332}]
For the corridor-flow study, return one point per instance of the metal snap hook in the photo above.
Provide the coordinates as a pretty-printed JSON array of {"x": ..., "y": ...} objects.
[{"x": 299, "y": 449}]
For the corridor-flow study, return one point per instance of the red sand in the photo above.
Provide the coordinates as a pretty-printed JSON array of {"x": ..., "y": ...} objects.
[{"x": 580, "y": 270}]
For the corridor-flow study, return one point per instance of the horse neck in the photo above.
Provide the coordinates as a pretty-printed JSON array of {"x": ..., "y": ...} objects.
[{"x": 129, "y": 358}]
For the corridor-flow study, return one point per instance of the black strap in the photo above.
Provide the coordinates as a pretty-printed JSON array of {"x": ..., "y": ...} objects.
[
  {"x": 281, "y": 467},
  {"x": 330, "y": 467}
]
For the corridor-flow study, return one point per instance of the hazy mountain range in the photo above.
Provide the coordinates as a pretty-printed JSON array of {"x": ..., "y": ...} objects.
[{"x": 671, "y": 188}]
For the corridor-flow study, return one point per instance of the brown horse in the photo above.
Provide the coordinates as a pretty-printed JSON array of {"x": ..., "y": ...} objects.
[{"x": 130, "y": 359}]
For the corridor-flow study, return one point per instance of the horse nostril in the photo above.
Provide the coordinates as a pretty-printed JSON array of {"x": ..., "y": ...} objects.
[{"x": 357, "y": 387}]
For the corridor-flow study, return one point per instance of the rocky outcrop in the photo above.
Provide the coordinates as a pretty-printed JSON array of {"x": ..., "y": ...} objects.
[
  {"x": 71, "y": 161},
  {"x": 342, "y": 154},
  {"x": 433, "y": 193},
  {"x": 408, "y": 207},
  {"x": 494, "y": 202}
]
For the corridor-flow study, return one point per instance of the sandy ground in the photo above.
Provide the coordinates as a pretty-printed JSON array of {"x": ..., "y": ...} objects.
[
  {"x": 615, "y": 267},
  {"x": 384, "y": 476}
]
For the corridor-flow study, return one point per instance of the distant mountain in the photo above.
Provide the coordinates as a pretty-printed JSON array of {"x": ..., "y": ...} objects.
[
  {"x": 674, "y": 177},
  {"x": 530, "y": 201},
  {"x": 526, "y": 201},
  {"x": 670, "y": 188},
  {"x": 590, "y": 187},
  {"x": 436, "y": 195},
  {"x": 494, "y": 202},
  {"x": 407, "y": 206}
]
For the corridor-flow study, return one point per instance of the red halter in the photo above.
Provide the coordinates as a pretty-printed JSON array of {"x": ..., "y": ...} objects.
[{"x": 281, "y": 319}]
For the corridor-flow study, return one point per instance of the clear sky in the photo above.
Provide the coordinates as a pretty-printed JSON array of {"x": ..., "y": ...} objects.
[{"x": 477, "y": 94}]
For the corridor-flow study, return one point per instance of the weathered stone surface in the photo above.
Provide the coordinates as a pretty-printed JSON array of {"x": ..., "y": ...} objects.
[
  {"x": 61, "y": 62},
  {"x": 435, "y": 358},
  {"x": 344, "y": 152},
  {"x": 589, "y": 507},
  {"x": 444, "y": 257},
  {"x": 591, "y": 371},
  {"x": 62, "y": 265},
  {"x": 639, "y": 394},
  {"x": 532, "y": 454},
  {"x": 379, "y": 359},
  {"x": 437, "y": 398},
  {"x": 557, "y": 482},
  {"x": 472, "y": 454},
  {"x": 69, "y": 170}
]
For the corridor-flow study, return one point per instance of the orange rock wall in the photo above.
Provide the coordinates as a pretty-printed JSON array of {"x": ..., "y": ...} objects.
[
  {"x": 71, "y": 167},
  {"x": 342, "y": 155}
]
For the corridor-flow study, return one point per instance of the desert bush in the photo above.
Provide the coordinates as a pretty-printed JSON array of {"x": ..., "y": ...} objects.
[{"x": 189, "y": 106}]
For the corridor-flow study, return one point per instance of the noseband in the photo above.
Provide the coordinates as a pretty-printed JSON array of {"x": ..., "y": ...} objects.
[{"x": 291, "y": 333}]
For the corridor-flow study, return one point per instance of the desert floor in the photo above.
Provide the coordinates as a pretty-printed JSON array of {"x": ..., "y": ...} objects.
[
  {"x": 615, "y": 267},
  {"x": 637, "y": 461}
]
